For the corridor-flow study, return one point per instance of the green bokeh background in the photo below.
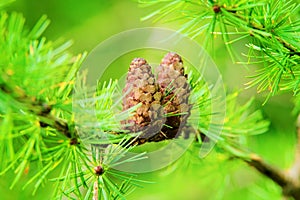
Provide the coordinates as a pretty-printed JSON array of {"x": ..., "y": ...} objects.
[{"x": 87, "y": 23}]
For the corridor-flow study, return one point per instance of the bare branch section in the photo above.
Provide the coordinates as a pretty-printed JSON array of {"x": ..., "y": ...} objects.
[
  {"x": 271, "y": 172},
  {"x": 287, "y": 180},
  {"x": 290, "y": 188},
  {"x": 96, "y": 190}
]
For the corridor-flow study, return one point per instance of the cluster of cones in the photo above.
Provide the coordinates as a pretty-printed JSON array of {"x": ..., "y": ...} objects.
[{"x": 164, "y": 98}]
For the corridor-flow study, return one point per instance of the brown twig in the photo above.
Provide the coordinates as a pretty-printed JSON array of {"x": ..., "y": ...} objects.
[
  {"x": 96, "y": 190},
  {"x": 290, "y": 188},
  {"x": 287, "y": 180},
  {"x": 266, "y": 169}
]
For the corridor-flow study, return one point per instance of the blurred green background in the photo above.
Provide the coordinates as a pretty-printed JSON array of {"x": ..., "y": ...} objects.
[{"x": 87, "y": 23}]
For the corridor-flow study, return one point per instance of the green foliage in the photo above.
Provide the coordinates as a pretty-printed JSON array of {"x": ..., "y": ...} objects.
[
  {"x": 241, "y": 122},
  {"x": 271, "y": 28},
  {"x": 78, "y": 180},
  {"x": 37, "y": 119},
  {"x": 36, "y": 84},
  {"x": 297, "y": 104},
  {"x": 5, "y": 2},
  {"x": 37, "y": 124}
]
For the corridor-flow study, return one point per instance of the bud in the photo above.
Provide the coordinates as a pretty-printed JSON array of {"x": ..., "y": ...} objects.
[{"x": 98, "y": 170}]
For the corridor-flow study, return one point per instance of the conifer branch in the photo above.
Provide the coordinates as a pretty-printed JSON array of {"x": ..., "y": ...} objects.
[
  {"x": 76, "y": 161},
  {"x": 292, "y": 49},
  {"x": 39, "y": 108},
  {"x": 273, "y": 35}
]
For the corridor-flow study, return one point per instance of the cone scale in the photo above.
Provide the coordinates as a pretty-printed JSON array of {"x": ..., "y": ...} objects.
[{"x": 164, "y": 107}]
